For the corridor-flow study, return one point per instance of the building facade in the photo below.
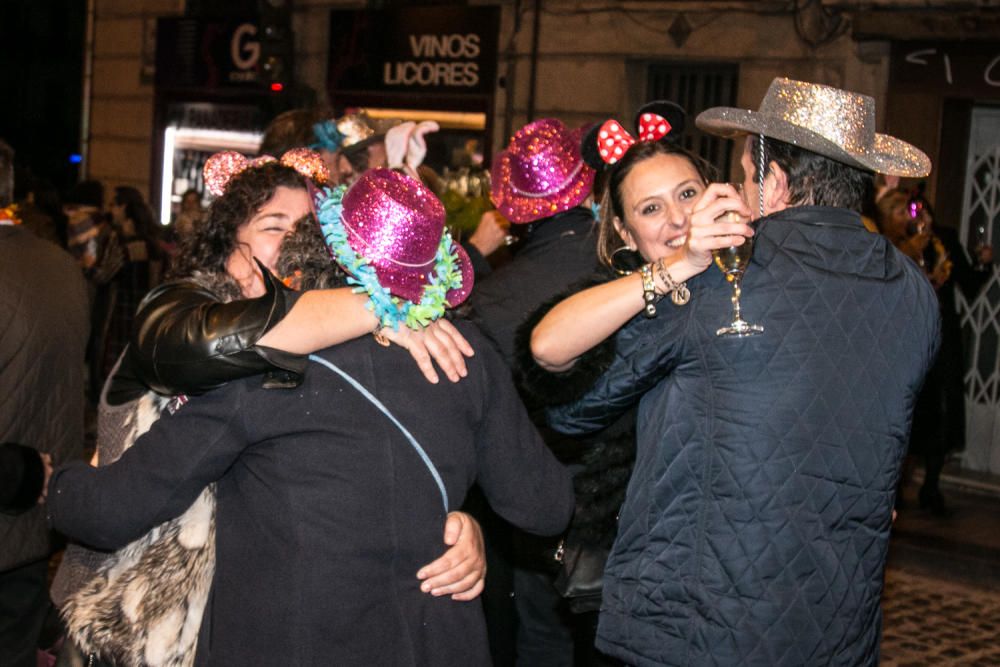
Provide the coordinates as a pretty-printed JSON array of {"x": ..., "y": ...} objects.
[{"x": 933, "y": 67}]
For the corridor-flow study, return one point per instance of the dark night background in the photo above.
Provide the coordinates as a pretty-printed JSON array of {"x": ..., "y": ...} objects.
[{"x": 41, "y": 73}]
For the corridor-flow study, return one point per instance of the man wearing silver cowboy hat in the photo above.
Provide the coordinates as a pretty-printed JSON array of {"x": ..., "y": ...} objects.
[{"x": 757, "y": 522}]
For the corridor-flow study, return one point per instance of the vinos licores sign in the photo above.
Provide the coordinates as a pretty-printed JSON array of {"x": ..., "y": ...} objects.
[{"x": 450, "y": 50}]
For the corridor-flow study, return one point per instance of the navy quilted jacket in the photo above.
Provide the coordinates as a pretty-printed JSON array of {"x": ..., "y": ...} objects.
[{"x": 756, "y": 523}]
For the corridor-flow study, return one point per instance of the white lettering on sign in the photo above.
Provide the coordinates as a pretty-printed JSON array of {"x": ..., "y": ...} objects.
[
  {"x": 445, "y": 46},
  {"x": 427, "y": 68},
  {"x": 425, "y": 73},
  {"x": 246, "y": 53}
]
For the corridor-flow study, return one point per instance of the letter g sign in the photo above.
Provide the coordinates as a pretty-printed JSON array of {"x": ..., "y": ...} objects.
[{"x": 244, "y": 50}]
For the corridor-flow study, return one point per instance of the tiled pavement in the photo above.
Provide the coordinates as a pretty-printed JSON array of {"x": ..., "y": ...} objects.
[
  {"x": 941, "y": 604},
  {"x": 930, "y": 621}
]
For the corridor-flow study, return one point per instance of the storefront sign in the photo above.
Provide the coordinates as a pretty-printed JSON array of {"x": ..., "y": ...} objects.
[
  {"x": 950, "y": 69},
  {"x": 435, "y": 50},
  {"x": 207, "y": 55}
]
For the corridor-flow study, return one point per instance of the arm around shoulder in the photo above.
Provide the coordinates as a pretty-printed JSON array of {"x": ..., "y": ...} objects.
[{"x": 186, "y": 340}]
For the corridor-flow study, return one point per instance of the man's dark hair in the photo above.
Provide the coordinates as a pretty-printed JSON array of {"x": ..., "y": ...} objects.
[
  {"x": 6, "y": 173},
  {"x": 214, "y": 239},
  {"x": 291, "y": 129},
  {"x": 815, "y": 180}
]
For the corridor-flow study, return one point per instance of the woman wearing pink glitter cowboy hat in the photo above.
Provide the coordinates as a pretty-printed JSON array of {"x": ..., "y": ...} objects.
[
  {"x": 328, "y": 511},
  {"x": 541, "y": 184}
]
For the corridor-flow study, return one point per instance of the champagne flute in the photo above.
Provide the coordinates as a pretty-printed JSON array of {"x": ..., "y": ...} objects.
[{"x": 733, "y": 261}]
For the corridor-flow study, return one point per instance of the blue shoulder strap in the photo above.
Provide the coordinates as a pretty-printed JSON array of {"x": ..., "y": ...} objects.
[{"x": 378, "y": 404}]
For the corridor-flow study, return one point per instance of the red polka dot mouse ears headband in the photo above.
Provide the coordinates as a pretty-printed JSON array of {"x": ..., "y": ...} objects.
[
  {"x": 606, "y": 143},
  {"x": 222, "y": 167}
]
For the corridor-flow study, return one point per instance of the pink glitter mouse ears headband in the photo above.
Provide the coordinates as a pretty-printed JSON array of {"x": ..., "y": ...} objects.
[{"x": 222, "y": 167}]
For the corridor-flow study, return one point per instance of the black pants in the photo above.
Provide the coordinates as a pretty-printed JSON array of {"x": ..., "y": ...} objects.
[
  {"x": 24, "y": 603},
  {"x": 545, "y": 626}
]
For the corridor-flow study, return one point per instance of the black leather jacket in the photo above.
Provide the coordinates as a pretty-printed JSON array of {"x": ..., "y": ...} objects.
[{"x": 186, "y": 341}]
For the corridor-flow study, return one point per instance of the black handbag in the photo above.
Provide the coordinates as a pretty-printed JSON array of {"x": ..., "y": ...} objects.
[
  {"x": 600, "y": 491},
  {"x": 581, "y": 575}
]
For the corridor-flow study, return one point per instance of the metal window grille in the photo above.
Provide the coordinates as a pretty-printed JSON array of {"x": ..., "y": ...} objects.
[
  {"x": 696, "y": 87},
  {"x": 981, "y": 316}
]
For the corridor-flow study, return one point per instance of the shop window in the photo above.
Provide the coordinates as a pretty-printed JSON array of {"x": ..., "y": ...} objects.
[{"x": 696, "y": 87}]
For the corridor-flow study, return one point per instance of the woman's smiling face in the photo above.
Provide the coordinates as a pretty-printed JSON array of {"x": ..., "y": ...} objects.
[
  {"x": 657, "y": 196},
  {"x": 262, "y": 235}
]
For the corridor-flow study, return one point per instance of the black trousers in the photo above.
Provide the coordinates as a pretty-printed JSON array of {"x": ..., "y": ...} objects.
[{"x": 24, "y": 603}]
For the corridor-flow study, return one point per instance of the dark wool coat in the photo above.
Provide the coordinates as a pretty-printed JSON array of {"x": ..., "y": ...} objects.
[
  {"x": 43, "y": 334},
  {"x": 756, "y": 523},
  {"x": 558, "y": 252},
  {"x": 324, "y": 511}
]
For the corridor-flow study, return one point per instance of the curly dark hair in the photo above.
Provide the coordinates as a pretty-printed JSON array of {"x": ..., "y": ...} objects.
[
  {"x": 612, "y": 206},
  {"x": 815, "y": 180},
  {"x": 306, "y": 260},
  {"x": 212, "y": 241}
]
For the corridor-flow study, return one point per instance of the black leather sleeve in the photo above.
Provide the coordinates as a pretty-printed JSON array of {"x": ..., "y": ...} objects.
[{"x": 185, "y": 341}]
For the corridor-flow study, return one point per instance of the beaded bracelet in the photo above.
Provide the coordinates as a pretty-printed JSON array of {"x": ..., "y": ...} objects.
[
  {"x": 648, "y": 290},
  {"x": 679, "y": 292}
]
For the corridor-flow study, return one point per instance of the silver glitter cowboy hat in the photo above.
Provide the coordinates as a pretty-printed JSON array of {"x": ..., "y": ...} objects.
[{"x": 835, "y": 123}]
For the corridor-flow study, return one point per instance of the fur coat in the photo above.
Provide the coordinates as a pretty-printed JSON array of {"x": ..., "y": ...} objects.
[{"x": 144, "y": 604}]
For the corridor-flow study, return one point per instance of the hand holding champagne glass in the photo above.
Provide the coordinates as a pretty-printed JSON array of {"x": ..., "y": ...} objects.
[{"x": 732, "y": 261}]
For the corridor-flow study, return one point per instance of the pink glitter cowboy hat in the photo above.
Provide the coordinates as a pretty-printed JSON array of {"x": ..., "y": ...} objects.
[
  {"x": 396, "y": 224},
  {"x": 541, "y": 172}
]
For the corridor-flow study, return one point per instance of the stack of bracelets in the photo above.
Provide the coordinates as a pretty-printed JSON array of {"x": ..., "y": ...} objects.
[{"x": 679, "y": 292}]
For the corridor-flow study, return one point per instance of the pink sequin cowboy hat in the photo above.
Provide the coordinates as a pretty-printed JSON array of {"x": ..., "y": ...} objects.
[
  {"x": 541, "y": 172},
  {"x": 396, "y": 224}
]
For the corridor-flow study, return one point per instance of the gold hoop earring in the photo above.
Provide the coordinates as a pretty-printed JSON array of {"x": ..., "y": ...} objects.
[{"x": 625, "y": 260}]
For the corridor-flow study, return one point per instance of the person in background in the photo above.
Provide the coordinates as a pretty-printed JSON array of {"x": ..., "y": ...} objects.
[
  {"x": 95, "y": 245},
  {"x": 138, "y": 235},
  {"x": 756, "y": 523},
  {"x": 39, "y": 207},
  {"x": 43, "y": 334},
  {"x": 541, "y": 183},
  {"x": 340, "y": 485},
  {"x": 90, "y": 235},
  {"x": 190, "y": 214},
  {"x": 295, "y": 129},
  {"x": 907, "y": 220}
]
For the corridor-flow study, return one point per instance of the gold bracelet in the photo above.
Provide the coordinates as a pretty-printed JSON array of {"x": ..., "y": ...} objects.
[
  {"x": 648, "y": 290},
  {"x": 679, "y": 292}
]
